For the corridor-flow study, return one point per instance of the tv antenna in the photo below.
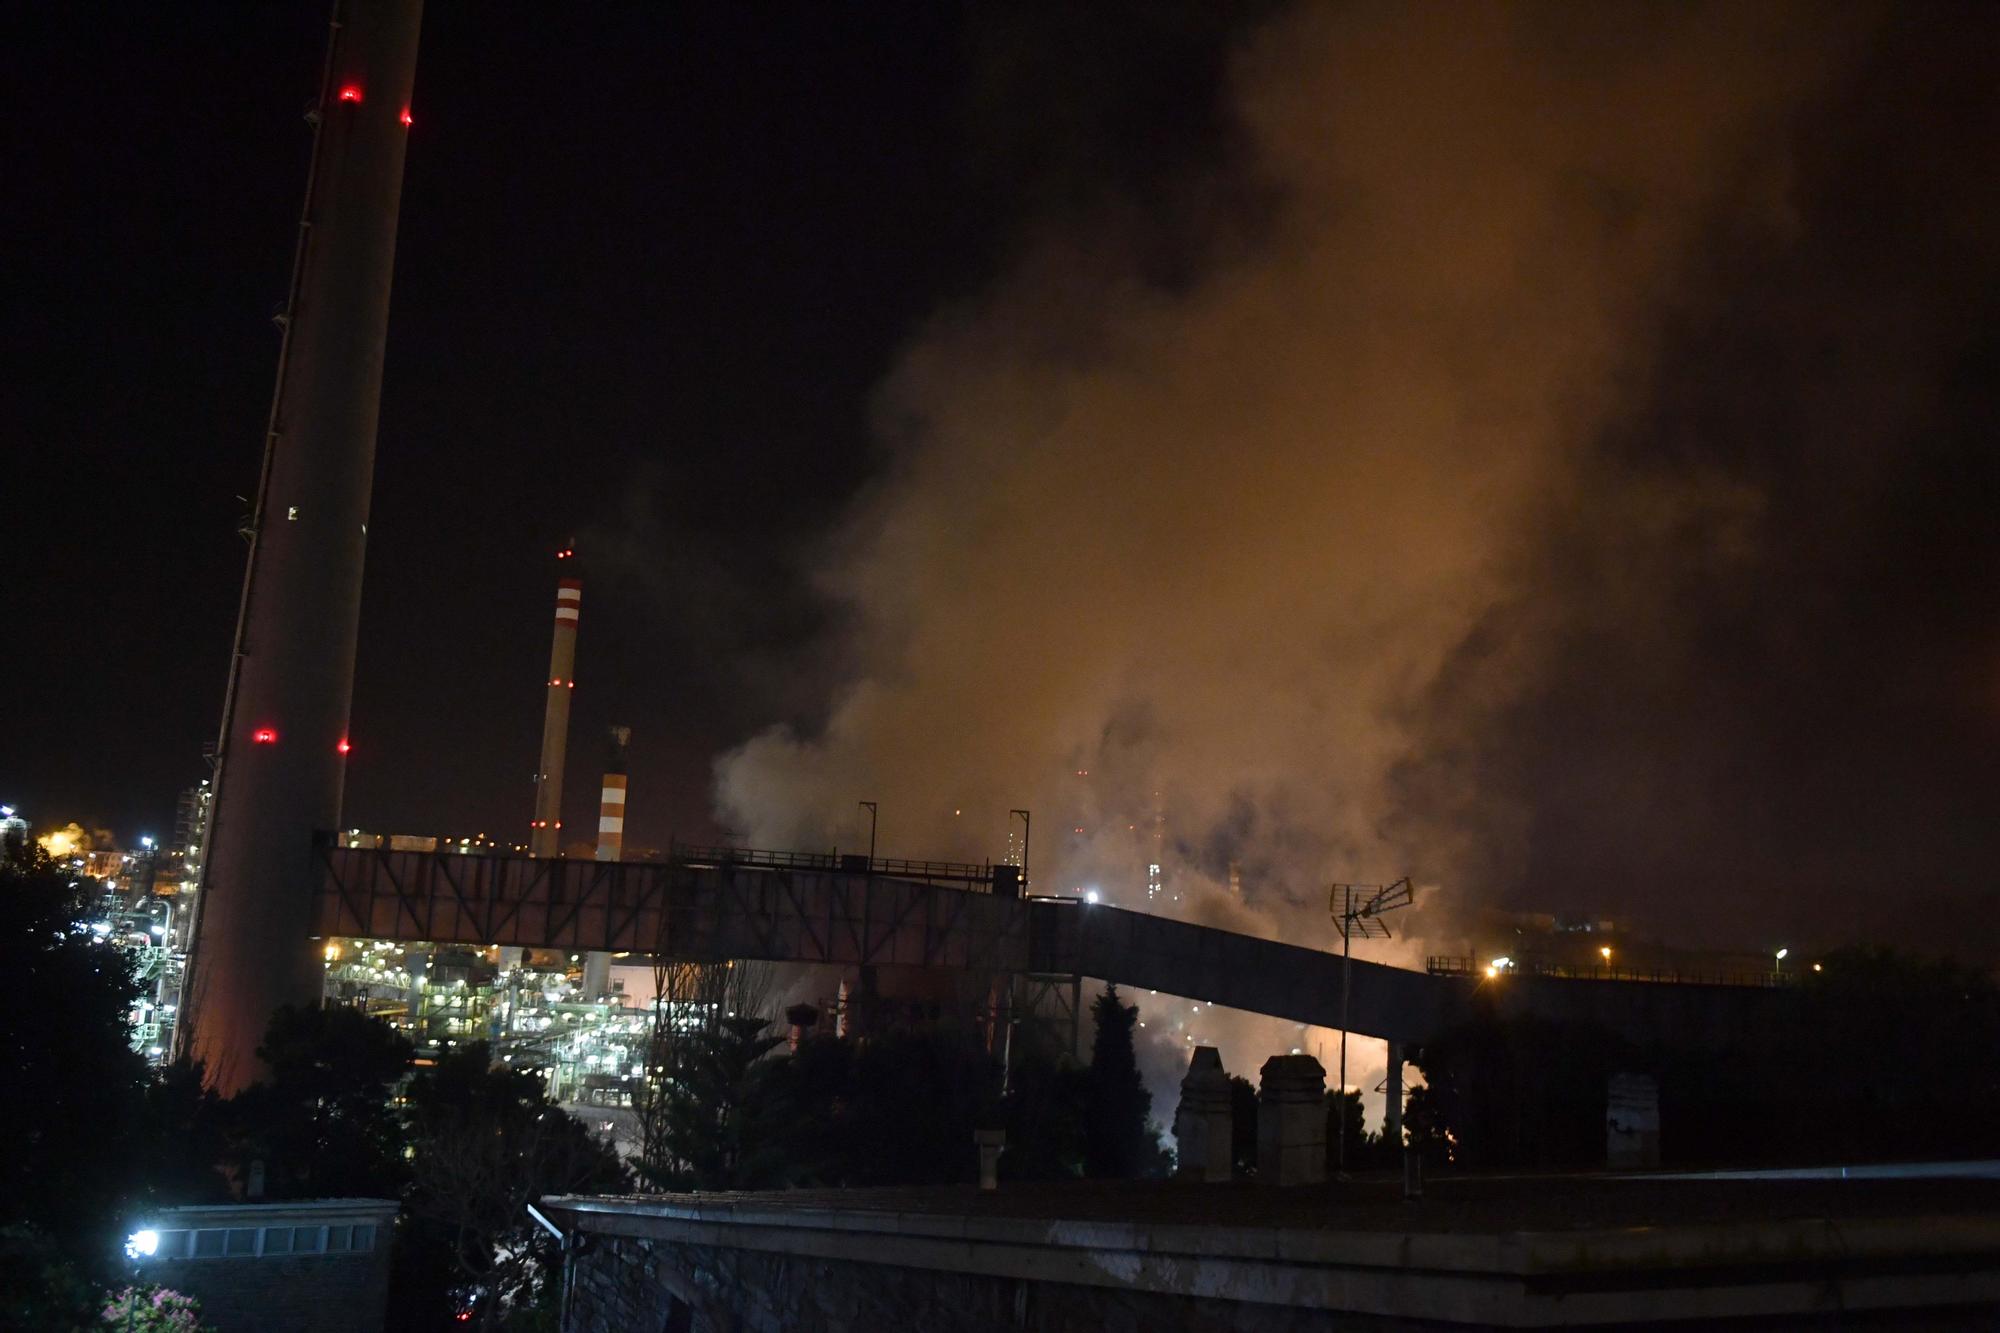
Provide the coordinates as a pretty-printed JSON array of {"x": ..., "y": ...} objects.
[{"x": 1358, "y": 909}]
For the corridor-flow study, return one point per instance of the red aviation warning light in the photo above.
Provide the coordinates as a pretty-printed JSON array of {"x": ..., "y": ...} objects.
[
  {"x": 265, "y": 736},
  {"x": 405, "y": 118},
  {"x": 350, "y": 93},
  {"x": 343, "y": 747}
]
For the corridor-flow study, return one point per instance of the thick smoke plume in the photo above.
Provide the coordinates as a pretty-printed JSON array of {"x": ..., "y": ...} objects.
[{"x": 1242, "y": 566}]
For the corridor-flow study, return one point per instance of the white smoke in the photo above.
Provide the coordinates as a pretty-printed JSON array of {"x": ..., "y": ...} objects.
[{"x": 1201, "y": 553}]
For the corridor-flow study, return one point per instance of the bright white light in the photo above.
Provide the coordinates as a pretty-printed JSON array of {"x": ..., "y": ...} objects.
[
  {"x": 1090, "y": 896},
  {"x": 147, "y": 843},
  {"x": 142, "y": 1243},
  {"x": 1500, "y": 964},
  {"x": 1782, "y": 953},
  {"x": 6, "y": 812}
]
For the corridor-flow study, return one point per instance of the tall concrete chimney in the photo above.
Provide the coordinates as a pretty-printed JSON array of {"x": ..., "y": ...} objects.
[
  {"x": 610, "y": 845},
  {"x": 281, "y": 756},
  {"x": 545, "y": 836}
]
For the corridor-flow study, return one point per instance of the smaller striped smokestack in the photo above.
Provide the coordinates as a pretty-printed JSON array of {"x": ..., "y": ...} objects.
[
  {"x": 610, "y": 846},
  {"x": 545, "y": 832},
  {"x": 611, "y": 804}
]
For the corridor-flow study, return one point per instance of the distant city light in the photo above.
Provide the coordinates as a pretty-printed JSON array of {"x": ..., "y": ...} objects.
[
  {"x": 1816, "y": 967},
  {"x": 6, "y": 812},
  {"x": 1605, "y": 950},
  {"x": 147, "y": 843},
  {"x": 142, "y": 1244}
]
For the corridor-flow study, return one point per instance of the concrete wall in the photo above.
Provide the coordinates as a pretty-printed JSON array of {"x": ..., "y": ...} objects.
[
  {"x": 764, "y": 1263},
  {"x": 625, "y": 1283}
]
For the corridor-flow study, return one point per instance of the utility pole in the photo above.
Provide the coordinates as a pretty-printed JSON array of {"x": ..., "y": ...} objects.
[
  {"x": 872, "y": 810},
  {"x": 1358, "y": 909}
]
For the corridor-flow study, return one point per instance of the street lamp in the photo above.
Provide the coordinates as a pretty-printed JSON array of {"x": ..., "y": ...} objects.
[
  {"x": 872, "y": 810},
  {"x": 1781, "y": 959}
]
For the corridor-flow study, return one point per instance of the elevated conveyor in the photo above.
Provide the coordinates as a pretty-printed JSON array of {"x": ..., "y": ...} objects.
[{"x": 851, "y": 912}]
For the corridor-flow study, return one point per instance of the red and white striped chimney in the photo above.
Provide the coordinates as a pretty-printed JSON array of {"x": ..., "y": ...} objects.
[
  {"x": 545, "y": 833},
  {"x": 611, "y": 802}
]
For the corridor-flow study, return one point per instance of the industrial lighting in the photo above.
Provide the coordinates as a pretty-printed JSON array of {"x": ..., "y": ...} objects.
[
  {"x": 147, "y": 843},
  {"x": 1501, "y": 964},
  {"x": 332, "y": 952},
  {"x": 1091, "y": 896},
  {"x": 1605, "y": 951},
  {"x": 1492, "y": 971},
  {"x": 142, "y": 1244},
  {"x": 265, "y": 736},
  {"x": 350, "y": 93}
]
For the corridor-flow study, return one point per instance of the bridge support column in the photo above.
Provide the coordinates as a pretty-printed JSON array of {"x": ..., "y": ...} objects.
[
  {"x": 596, "y": 975},
  {"x": 1392, "y": 1103}
]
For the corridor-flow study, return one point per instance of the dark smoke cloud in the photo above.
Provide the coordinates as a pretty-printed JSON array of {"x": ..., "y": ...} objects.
[{"x": 1557, "y": 491}]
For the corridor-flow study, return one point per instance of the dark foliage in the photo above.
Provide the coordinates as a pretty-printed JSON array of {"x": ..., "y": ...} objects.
[
  {"x": 321, "y": 1121},
  {"x": 725, "y": 1110},
  {"x": 1118, "y": 1141},
  {"x": 72, "y": 1096},
  {"x": 1242, "y": 1125},
  {"x": 1045, "y": 1106},
  {"x": 486, "y": 1143}
]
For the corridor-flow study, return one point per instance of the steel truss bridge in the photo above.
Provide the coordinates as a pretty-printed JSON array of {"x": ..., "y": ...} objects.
[{"x": 853, "y": 912}]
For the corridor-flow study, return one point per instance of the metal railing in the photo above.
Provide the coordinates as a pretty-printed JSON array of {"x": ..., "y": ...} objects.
[
  {"x": 850, "y": 862},
  {"x": 1443, "y": 965}
]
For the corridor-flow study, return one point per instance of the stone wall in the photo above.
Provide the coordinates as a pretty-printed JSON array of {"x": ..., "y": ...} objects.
[{"x": 628, "y": 1284}]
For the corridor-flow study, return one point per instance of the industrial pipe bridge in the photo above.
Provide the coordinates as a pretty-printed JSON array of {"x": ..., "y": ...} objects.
[{"x": 851, "y": 911}]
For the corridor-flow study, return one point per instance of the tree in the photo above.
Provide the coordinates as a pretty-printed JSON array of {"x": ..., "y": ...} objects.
[
  {"x": 1242, "y": 1125},
  {"x": 718, "y": 1123},
  {"x": 1118, "y": 1141},
  {"x": 73, "y": 1088},
  {"x": 910, "y": 1108},
  {"x": 486, "y": 1142},
  {"x": 1047, "y": 1100},
  {"x": 322, "y": 1122},
  {"x": 1344, "y": 1113}
]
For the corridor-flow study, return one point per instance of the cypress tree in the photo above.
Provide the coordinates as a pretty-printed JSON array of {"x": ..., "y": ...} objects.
[{"x": 1118, "y": 1142}]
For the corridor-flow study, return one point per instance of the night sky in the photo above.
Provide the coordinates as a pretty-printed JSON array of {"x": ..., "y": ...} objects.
[{"x": 880, "y": 359}]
